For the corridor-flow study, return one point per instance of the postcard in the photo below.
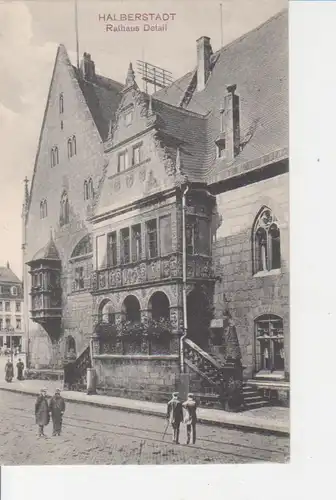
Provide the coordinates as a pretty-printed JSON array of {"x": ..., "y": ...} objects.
[{"x": 144, "y": 258}]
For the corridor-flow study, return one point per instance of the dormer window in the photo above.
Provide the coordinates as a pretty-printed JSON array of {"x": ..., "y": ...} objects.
[
  {"x": 14, "y": 290},
  {"x": 122, "y": 161},
  {"x": 128, "y": 117}
]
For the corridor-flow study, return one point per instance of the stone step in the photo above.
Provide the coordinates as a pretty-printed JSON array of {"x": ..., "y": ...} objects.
[
  {"x": 253, "y": 398},
  {"x": 255, "y": 405}
]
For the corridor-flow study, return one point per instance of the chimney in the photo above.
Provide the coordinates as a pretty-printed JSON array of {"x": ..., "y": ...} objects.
[
  {"x": 231, "y": 122},
  {"x": 204, "y": 53},
  {"x": 88, "y": 67}
]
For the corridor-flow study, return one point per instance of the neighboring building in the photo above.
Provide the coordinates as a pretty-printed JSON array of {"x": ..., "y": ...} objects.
[
  {"x": 11, "y": 310},
  {"x": 121, "y": 177}
]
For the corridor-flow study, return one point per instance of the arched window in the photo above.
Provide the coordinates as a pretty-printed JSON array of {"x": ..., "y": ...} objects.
[
  {"x": 61, "y": 103},
  {"x": 266, "y": 242},
  {"x": 72, "y": 147},
  {"x": 90, "y": 189},
  {"x": 131, "y": 308},
  {"x": 86, "y": 190},
  {"x": 54, "y": 159},
  {"x": 159, "y": 306},
  {"x": 84, "y": 247},
  {"x": 43, "y": 209},
  {"x": 106, "y": 313},
  {"x": 64, "y": 213},
  {"x": 269, "y": 344}
]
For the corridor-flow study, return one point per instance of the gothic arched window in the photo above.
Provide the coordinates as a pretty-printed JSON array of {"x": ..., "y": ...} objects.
[
  {"x": 266, "y": 242},
  {"x": 43, "y": 209},
  {"x": 86, "y": 190},
  {"x": 72, "y": 147},
  {"x": 90, "y": 188},
  {"x": 54, "y": 159},
  {"x": 61, "y": 103},
  {"x": 64, "y": 213}
]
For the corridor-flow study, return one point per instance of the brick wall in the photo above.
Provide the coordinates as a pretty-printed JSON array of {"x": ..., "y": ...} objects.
[
  {"x": 247, "y": 296},
  {"x": 141, "y": 377}
]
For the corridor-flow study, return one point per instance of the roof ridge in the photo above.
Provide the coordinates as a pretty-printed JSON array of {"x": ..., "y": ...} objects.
[
  {"x": 180, "y": 109},
  {"x": 257, "y": 28}
]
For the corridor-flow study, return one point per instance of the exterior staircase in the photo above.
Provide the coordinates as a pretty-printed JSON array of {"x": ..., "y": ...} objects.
[
  {"x": 252, "y": 398},
  {"x": 75, "y": 371},
  {"x": 222, "y": 381}
]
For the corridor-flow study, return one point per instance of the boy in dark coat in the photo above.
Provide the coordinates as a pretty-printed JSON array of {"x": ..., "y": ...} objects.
[
  {"x": 42, "y": 412},
  {"x": 175, "y": 415},
  {"x": 20, "y": 368},
  {"x": 56, "y": 409},
  {"x": 190, "y": 418}
]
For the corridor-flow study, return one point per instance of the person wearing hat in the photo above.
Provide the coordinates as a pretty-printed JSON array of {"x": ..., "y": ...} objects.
[
  {"x": 20, "y": 368},
  {"x": 175, "y": 415},
  {"x": 57, "y": 409},
  {"x": 9, "y": 371},
  {"x": 42, "y": 412},
  {"x": 190, "y": 418}
]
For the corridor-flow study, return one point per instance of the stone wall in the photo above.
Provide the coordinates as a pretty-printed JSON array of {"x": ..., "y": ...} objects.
[
  {"x": 49, "y": 183},
  {"x": 152, "y": 378},
  {"x": 248, "y": 296}
]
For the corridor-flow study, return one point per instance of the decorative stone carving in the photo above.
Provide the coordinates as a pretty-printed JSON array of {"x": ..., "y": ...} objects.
[
  {"x": 142, "y": 175},
  {"x": 117, "y": 185},
  {"x": 130, "y": 180}
]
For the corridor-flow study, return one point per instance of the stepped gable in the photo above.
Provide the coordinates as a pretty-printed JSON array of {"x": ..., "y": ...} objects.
[
  {"x": 8, "y": 276},
  {"x": 102, "y": 96},
  {"x": 181, "y": 128},
  {"x": 257, "y": 63}
]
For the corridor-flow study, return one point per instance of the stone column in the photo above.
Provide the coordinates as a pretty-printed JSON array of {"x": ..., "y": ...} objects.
[{"x": 144, "y": 316}]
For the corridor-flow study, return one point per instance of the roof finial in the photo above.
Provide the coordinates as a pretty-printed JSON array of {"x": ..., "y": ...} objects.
[
  {"x": 8, "y": 264},
  {"x": 26, "y": 193},
  {"x": 130, "y": 78},
  {"x": 51, "y": 233}
]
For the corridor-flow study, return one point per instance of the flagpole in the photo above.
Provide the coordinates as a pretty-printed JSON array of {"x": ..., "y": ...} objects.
[{"x": 76, "y": 29}]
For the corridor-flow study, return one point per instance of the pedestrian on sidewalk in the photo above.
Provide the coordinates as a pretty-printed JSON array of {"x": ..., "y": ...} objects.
[
  {"x": 42, "y": 412},
  {"x": 190, "y": 419},
  {"x": 20, "y": 368},
  {"x": 57, "y": 409},
  {"x": 175, "y": 416},
  {"x": 9, "y": 371}
]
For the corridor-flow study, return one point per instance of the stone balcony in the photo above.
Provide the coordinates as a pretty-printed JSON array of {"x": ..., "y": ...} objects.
[{"x": 154, "y": 270}]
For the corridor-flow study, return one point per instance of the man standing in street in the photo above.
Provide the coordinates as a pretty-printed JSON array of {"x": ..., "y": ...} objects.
[
  {"x": 190, "y": 418},
  {"x": 175, "y": 415},
  {"x": 42, "y": 412},
  {"x": 20, "y": 368},
  {"x": 56, "y": 409},
  {"x": 9, "y": 371}
]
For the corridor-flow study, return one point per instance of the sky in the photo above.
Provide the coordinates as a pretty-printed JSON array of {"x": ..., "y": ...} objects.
[{"x": 30, "y": 32}]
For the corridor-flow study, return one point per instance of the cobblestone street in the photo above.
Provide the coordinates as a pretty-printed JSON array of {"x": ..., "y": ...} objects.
[{"x": 102, "y": 436}]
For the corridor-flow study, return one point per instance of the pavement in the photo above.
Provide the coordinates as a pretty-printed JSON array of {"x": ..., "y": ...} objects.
[{"x": 271, "y": 420}]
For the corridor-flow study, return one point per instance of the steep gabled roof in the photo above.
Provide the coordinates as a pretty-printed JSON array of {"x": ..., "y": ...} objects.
[
  {"x": 257, "y": 63},
  {"x": 8, "y": 276},
  {"x": 184, "y": 129},
  {"x": 102, "y": 95}
]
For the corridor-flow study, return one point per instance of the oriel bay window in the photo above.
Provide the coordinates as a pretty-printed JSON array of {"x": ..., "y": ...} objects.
[
  {"x": 269, "y": 344},
  {"x": 152, "y": 239},
  {"x": 125, "y": 245},
  {"x": 197, "y": 236},
  {"x": 112, "y": 249},
  {"x": 136, "y": 243}
]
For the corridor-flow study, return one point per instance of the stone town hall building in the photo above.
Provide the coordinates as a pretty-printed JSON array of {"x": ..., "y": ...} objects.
[{"x": 152, "y": 216}]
